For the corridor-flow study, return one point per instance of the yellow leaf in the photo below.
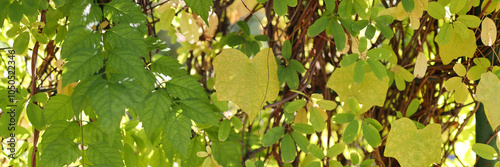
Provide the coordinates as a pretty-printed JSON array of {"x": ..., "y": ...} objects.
[
  {"x": 301, "y": 116},
  {"x": 458, "y": 47},
  {"x": 488, "y": 92},
  {"x": 488, "y": 32},
  {"x": 420, "y": 66},
  {"x": 190, "y": 30},
  {"x": 247, "y": 83},
  {"x": 412, "y": 147},
  {"x": 370, "y": 92}
]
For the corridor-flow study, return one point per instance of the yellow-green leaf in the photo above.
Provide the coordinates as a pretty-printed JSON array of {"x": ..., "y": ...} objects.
[
  {"x": 370, "y": 92},
  {"x": 317, "y": 121},
  {"x": 272, "y": 136},
  {"x": 316, "y": 151},
  {"x": 436, "y": 10},
  {"x": 412, "y": 147},
  {"x": 488, "y": 92},
  {"x": 458, "y": 47},
  {"x": 327, "y": 104},
  {"x": 485, "y": 151},
  {"x": 224, "y": 129},
  {"x": 470, "y": 21},
  {"x": 335, "y": 150},
  {"x": 445, "y": 34},
  {"x": 248, "y": 83},
  {"x": 350, "y": 132},
  {"x": 459, "y": 69},
  {"x": 371, "y": 135}
]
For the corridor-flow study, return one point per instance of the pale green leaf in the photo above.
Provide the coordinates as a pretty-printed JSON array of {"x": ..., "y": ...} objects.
[
  {"x": 424, "y": 145},
  {"x": 379, "y": 53},
  {"x": 461, "y": 29},
  {"x": 459, "y": 68},
  {"x": 295, "y": 105},
  {"x": 470, "y": 21},
  {"x": 461, "y": 93},
  {"x": 168, "y": 66},
  {"x": 302, "y": 127},
  {"x": 354, "y": 105},
  {"x": 370, "y": 92},
  {"x": 288, "y": 149},
  {"x": 314, "y": 164},
  {"x": 485, "y": 151},
  {"x": 247, "y": 83},
  {"x": 354, "y": 158},
  {"x": 301, "y": 141},
  {"x": 317, "y": 121},
  {"x": 335, "y": 150},
  {"x": 452, "y": 83},
  {"x": 374, "y": 122},
  {"x": 475, "y": 72},
  {"x": 343, "y": 118},
  {"x": 316, "y": 151},
  {"x": 457, "y": 5},
  {"x": 412, "y": 108},
  {"x": 40, "y": 97},
  {"x": 58, "y": 108},
  {"x": 487, "y": 92},
  {"x": 327, "y": 104},
  {"x": 272, "y": 136},
  {"x": 466, "y": 47},
  {"x": 238, "y": 125}
]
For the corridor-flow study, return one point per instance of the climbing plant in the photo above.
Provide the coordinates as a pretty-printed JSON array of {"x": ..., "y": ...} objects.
[{"x": 254, "y": 83}]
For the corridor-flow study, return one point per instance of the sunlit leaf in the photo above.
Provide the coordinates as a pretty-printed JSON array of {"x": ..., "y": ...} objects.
[
  {"x": 485, "y": 151},
  {"x": 488, "y": 31},
  {"x": 487, "y": 92},
  {"x": 467, "y": 47}
]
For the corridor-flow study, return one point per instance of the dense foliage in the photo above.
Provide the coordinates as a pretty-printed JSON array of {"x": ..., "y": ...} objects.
[{"x": 249, "y": 83}]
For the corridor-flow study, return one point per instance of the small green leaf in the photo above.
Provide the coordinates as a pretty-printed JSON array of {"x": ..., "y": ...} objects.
[
  {"x": 354, "y": 105},
  {"x": 291, "y": 3},
  {"x": 245, "y": 29},
  {"x": 40, "y": 97},
  {"x": 359, "y": 71},
  {"x": 386, "y": 30},
  {"x": 412, "y": 108},
  {"x": 343, "y": 118},
  {"x": 297, "y": 66},
  {"x": 314, "y": 163},
  {"x": 445, "y": 34},
  {"x": 355, "y": 158},
  {"x": 295, "y": 105},
  {"x": 461, "y": 93},
  {"x": 200, "y": 7},
  {"x": 286, "y": 50},
  {"x": 374, "y": 122},
  {"x": 350, "y": 132},
  {"x": 262, "y": 37},
  {"x": 224, "y": 129},
  {"x": 302, "y": 127},
  {"x": 58, "y": 108},
  {"x": 327, "y": 104},
  {"x": 338, "y": 34},
  {"x": 461, "y": 29},
  {"x": 367, "y": 163},
  {"x": 459, "y": 69},
  {"x": 237, "y": 123},
  {"x": 317, "y": 121},
  {"x": 272, "y": 136},
  {"x": 408, "y": 5},
  {"x": 233, "y": 40},
  {"x": 316, "y": 151},
  {"x": 485, "y": 151},
  {"x": 280, "y": 7},
  {"x": 370, "y": 32},
  {"x": 475, "y": 72},
  {"x": 457, "y": 5},
  {"x": 470, "y": 21},
  {"x": 345, "y": 9},
  {"x": 301, "y": 141},
  {"x": 34, "y": 113},
  {"x": 362, "y": 44},
  {"x": 436, "y": 10},
  {"x": 16, "y": 13},
  {"x": 379, "y": 53},
  {"x": 335, "y": 150},
  {"x": 359, "y": 25},
  {"x": 21, "y": 43},
  {"x": 371, "y": 135},
  {"x": 378, "y": 68},
  {"x": 349, "y": 59},
  {"x": 330, "y": 5},
  {"x": 288, "y": 149},
  {"x": 318, "y": 26}
]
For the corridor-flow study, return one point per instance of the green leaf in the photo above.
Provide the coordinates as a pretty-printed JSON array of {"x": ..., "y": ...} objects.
[
  {"x": 317, "y": 121},
  {"x": 412, "y": 108},
  {"x": 21, "y": 43},
  {"x": 286, "y": 50},
  {"x": 233, "y": 40},
  {"x": 335, "y": 150},
  {"x": 200, "y": 7},
  {"x": 342, "y": 118},
  {"x": 318, "y": 26},
  {"x": 280, "y": 7},
  {"x": 261, "y": 38},
  {"x": 370, "y": 32},
  {"x": 155, "y": 112},
  {"x": 360, "y": 7},
  {"x": 436, "y": 10},
  {"x": 84, "y": 13},
  {"x": 301, "y": 141},
  {"x": 467, "y": 46},
  {"x": 345, "y": 9},
  {"x": 222, "y": 105},
  {"x": 304, "y": 128},
  {"x": 295, "y": 105},
  {"x": 354, "y": 105},
  {"x": 186, "y": 87},
  {"x": 457, "y": 5},
  {"x": 35, "y": 116},
  {"x": 338, "y": 34},
  {"x": 236, "y": 123},
  {"x": 200, "y": 111},
  {"x": 461, "y": 29},
  {"x": 104, "y": 155},
  {"x": 314, "y": 163},
  {"x": 367, "y": 163},
  {"x": 374, "y": 122},
  {"x": 459, "y": 69},
  {"x": 178, "y": 131},
  {"x": 272, "y": 136},
  {"x": 80, "y": 98},
  {"x": 379, "y": 53},
  {"x": 227, "y": 153},
  {"x": 224, "y": 129},
  {"x": 404, "y": 139},
  {"x": 291, "y": 3},
  {"x": 470, "y": 21},
  {"x": 288, "y": 149},
  {"x": 288, "y": 75},
  {"x": 168, "y": 66},
  {"x": 255, "y": 80},
  {"x": 327, "y": 104},
  {"x": 316, "y": 151},
  {"x": 485, "y": 151},
  {"x": 109, "y": 102},
  {"x": 123, "y": 11},
  {"x": 297, "y": 66},
  {"x": 386, "y": 30},
  {"x": 408, "y": 5},
  {"x": 377, "y": 68},
  {"x": 359, "y": 71},
  {"x": 244, "y": 27},
  {"x": 58, "y": 108},
  {"x": 487, "y": 92},
  {"x": 40, "y": 97},
  {"x": 16, "y": 13},
  {"x": 350, "y": 132},
  {"x": 330, "y": 5},
  {"x": 349, "y": 59},
  {"x": 371, "y": 135},
  {"x": 445, "y": 34},
  {"x": 58, "y": 146}
]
